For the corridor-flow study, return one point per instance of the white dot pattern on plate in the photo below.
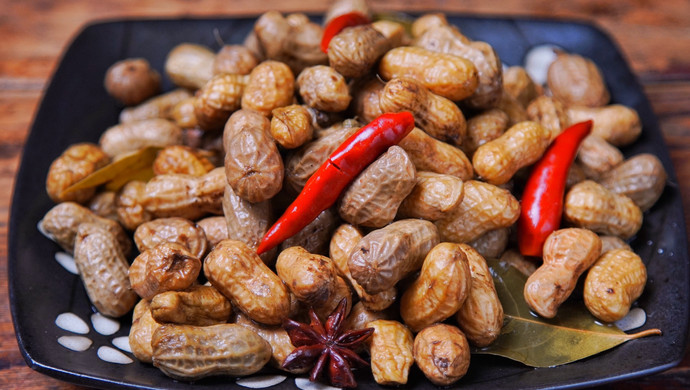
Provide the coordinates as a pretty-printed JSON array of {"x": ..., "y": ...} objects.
[
  {"x": 112, "y": 355},
  {"x": 306, "y": 384},
  {"x": 75, "y": 343},
  {"x": 104, "y": 325},
  {"x": 67, "y": 262},
  {"x": 122, "y": 343},
  {"x": 635, "y": 318},
  {"x": 261, "y": 382},
  {"x": 72, "y": 323}
]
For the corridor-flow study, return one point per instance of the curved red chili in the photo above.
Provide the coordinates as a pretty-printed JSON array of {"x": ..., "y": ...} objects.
[
  {"x": 324, "y": 187},
  {"x": 542, "y": 199},
  {"x": 337, "y": 25}
]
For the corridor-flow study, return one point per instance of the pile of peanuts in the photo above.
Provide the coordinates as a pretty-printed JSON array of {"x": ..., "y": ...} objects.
[{"x": 406, "y": 243}]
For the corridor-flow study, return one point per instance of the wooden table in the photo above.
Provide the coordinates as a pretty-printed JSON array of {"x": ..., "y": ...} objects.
[{"x": 654, "y": 37}]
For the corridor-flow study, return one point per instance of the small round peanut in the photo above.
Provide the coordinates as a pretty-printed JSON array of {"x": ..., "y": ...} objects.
[
  {"x": 291, "y": 126},
  {"x": 128, "y": 204},
  {"x": 310, "y": 277},
  {"x": 596, "y": 156},
  {"x": 236, "y": 59},
  {"x": 433, "y": 195},
  {"x": 271, "y": 85},
  {"x": 218, "y": 99},
  {"x": 430, "y": 154},
  {"x": 447, "y": 75},
  {"x": 75, "y": 163},
  {"x": 215, "y": 229},
  {"x": 440, "y": 290},
  {"x": 642, "y": 178},
  {"x": 238, "y": 272},
  {"x": 166, "y": 267},
  {"x": 323, "y": 88},
  {"x": 521, "y": 145},
  {"x": 271, "y": 30},
  {"x": 484, "y": 127},
  {"x": 131, "y": 81},
  {"x": 190, "y": 65},
  {"x": 577, "y": 81},
  {"x": 174, "y": 229},
  {"x": 196, "y": 305},
  {"x": 567, "y": 254},
  {"x": 181, "y": 159},
  {"x": 183, "y": 114},
  {"x": 391, "y": 350},
  {"x": 354, "y": 51},
  {"x": 590, "y": 205},
  {"x": 130, "y": 137},
  {"x": 613, "y": 283},
  {"x": 442, "y": 353},
  {"x": 160, "y": 106},
  {"x": 141, "y": 331},
  {"x": 617, "y": 124}
]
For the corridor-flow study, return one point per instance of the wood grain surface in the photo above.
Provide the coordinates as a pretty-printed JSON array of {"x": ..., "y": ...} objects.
[{"x": 654, "y": 36}]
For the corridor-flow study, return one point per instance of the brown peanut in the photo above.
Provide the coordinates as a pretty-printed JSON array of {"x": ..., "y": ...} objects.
[
  {"x": 316, "y": 235},
  {"x": 484, "y": 207},
  {"x": 590, "y": 205},
  {"x": 612, "y": 242},
  {"x": 373, "y": 198},
  {"x": 174, "y": 229},
  {"x": 291, "y": 126},
  {"x": 187, "y": 352},
  {"x": 366, "y": 98},
  {"x": 493, "y": 243},
  {"x": 183, "y": 114},
  {"x": 515, "y": 259},
  {"x": 181, "y": 159},
  {"x": 166, "y": 267},
  {"x": 354, "y": 51},
  {"x": 613, "y": 283},
  {"x": 440, "y": 290},
  {"x": 132, "y": 80},
  {"x": 190, "y": 65},
  {"x": 427, "y": 21},
  {"x": 75, "y": 163},
  {"x": 484, "y": 127},
  {"x": 433, "y": 195},
  {"x": 518, "y": 84},
  {"x": 385, "y": 256},
  {"x": 271, "y": 85},
  {"x": 442, "y": 353},
  {"x": 215, "y": 229},
  {"x": 103, "y": 205},
  {"x": 436, "y": 115},
  {"x": 390, "y": 348},
  {"x": 342, "y": 291},
  {"x": 237, "y": 272},
  {"x": 323, "y": 88},
  {"x": 393, "y": 31},
  {"x": 310, "y": 277},
  {"x": 159, "y": 106},
  {"x": 360, "y": 316},
  {"x": 577, "y": 81},
  {"x": 218, "y": 99},
  {"x": 185, "y": 196},
  {"x": 642, "y": 178},
  {"x": 197, "y": 305},
  {"x": 567, "y": 254},
  {"x": 596, "y": 156},
  {"x": 430, "y": 154},
  {"x": 235, "y": 59},
  {"x": 103, "y": 270},
  {"x": 253, "y": 165},
  {"x": 550, "y": 113},
  {"x": 521, "y": 145},
  {"x": 617, "y": 124},
  {"x": 245, "y": 221},
  {"x": 450, "y": 76},
  {"x": 481, "y": 316},
  {"x": 128, "y": 204},
  {"x": 132, "y": 136},
  {"x": 141, "y": 331},
  {"x": 515, "y": 110}
]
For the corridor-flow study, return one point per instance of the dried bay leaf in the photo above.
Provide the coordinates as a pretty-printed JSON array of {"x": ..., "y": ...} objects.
[
  {"x": 572, "y": 335},
  {"x": 136, "y": 165}
]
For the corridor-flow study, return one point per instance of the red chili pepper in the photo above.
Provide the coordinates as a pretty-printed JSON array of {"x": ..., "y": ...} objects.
[
  {"x": 542, "y": 199},
  {"x": 337, "y": 25},
  {"x": 323, "y": 188}
]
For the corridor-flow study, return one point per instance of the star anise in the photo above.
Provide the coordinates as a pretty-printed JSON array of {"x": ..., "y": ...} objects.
[{"x": 328, "y": 346}]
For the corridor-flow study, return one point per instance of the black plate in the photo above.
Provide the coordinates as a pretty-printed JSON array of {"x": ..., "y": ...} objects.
[{"x": 76, "y": 108}]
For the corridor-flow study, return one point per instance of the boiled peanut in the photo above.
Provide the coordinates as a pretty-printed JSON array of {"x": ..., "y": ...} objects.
[
  {"x": 567, "y": 254},
  {"x": 185, "y": 196},
  {"x": 642, "y": 178},
  {"x": 291, "y": 126},
  {"x": 271, "y": 30},
  {"x": 576, "y": 174},
  {"x": 323, "y": 88},
  {"x": 427, "y": 21},
  {"x": 436, "y": 115},
  {"x": 577, "y": 81},
  {"x": 590, "y": 205},
  {"x": 481, "y": 316},
  {"x": 245, "y": 221},
  {"x": 128, "y": 204},
  {"x": 484, "y": 207},
  {"x": 190, "y": 65},
  {"x": 373, "y": 198},
  {"x": 429, "y": 154},
  {"x": 103, "y": 205},
  {"x": 196, "y": 305},
  {"x": 310, "y": 277},
  {"x": 354, "y": 51},
  {"x": 253, "y": 165},
  {"x": 271, "y": 85},
  {"x": 518, "y": 84},
  {"x": 159, "y": 106},
  {"x": 366, "y": 98},
  {"x": 550, "y": 113},
  {"x": 390, "y": 348},
  {"x": 182, "y": 231},
  {"x": 132, "y": 136},
  {"x": 521, "y": 145},
  {"x": 596, "y": 156},
  {"x": 215, "y": 229},
  {"x": 316, "y": 235},
  {"x": 518, "y": 261},
  {"x": 493, "y": 243},
  {"x": 342, "y": 291},
  {"x": 515, "y": 110},
  {"x": 450, "y": 76},
  {"x": 187, "y": 352},
  {"x": 181, "y": 159},
  {"x": 484, "y": 127},
  {"x": 75, "y": 163},
  {"x": 612, "y": 242},
  {"x": 433, "y": 195},
  {"x": 385, "y": 256},
  {"x": 103, "y": 270},
  {"x": 218, "y": 99},
  {"x": 302, "y": 48},
  {"x": 132, "y": 81},
  {"x": 340, "y": 7},
  {"x": 235, "y": 59},
  {"x": 613, "y": 283},
  {"x": 141, "y": 331},
  {"x": 393, "y": 31},
  {"x": 442, "y": 353},
  {"x": 166, "y": 267},
  {"x": 440, "y": 290},
  {"x": 360, "y": 316},
  {"x": 182, "y": 113},
  {"x": 617, "y": 124},
  {"x": 237, "y": 272}
]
